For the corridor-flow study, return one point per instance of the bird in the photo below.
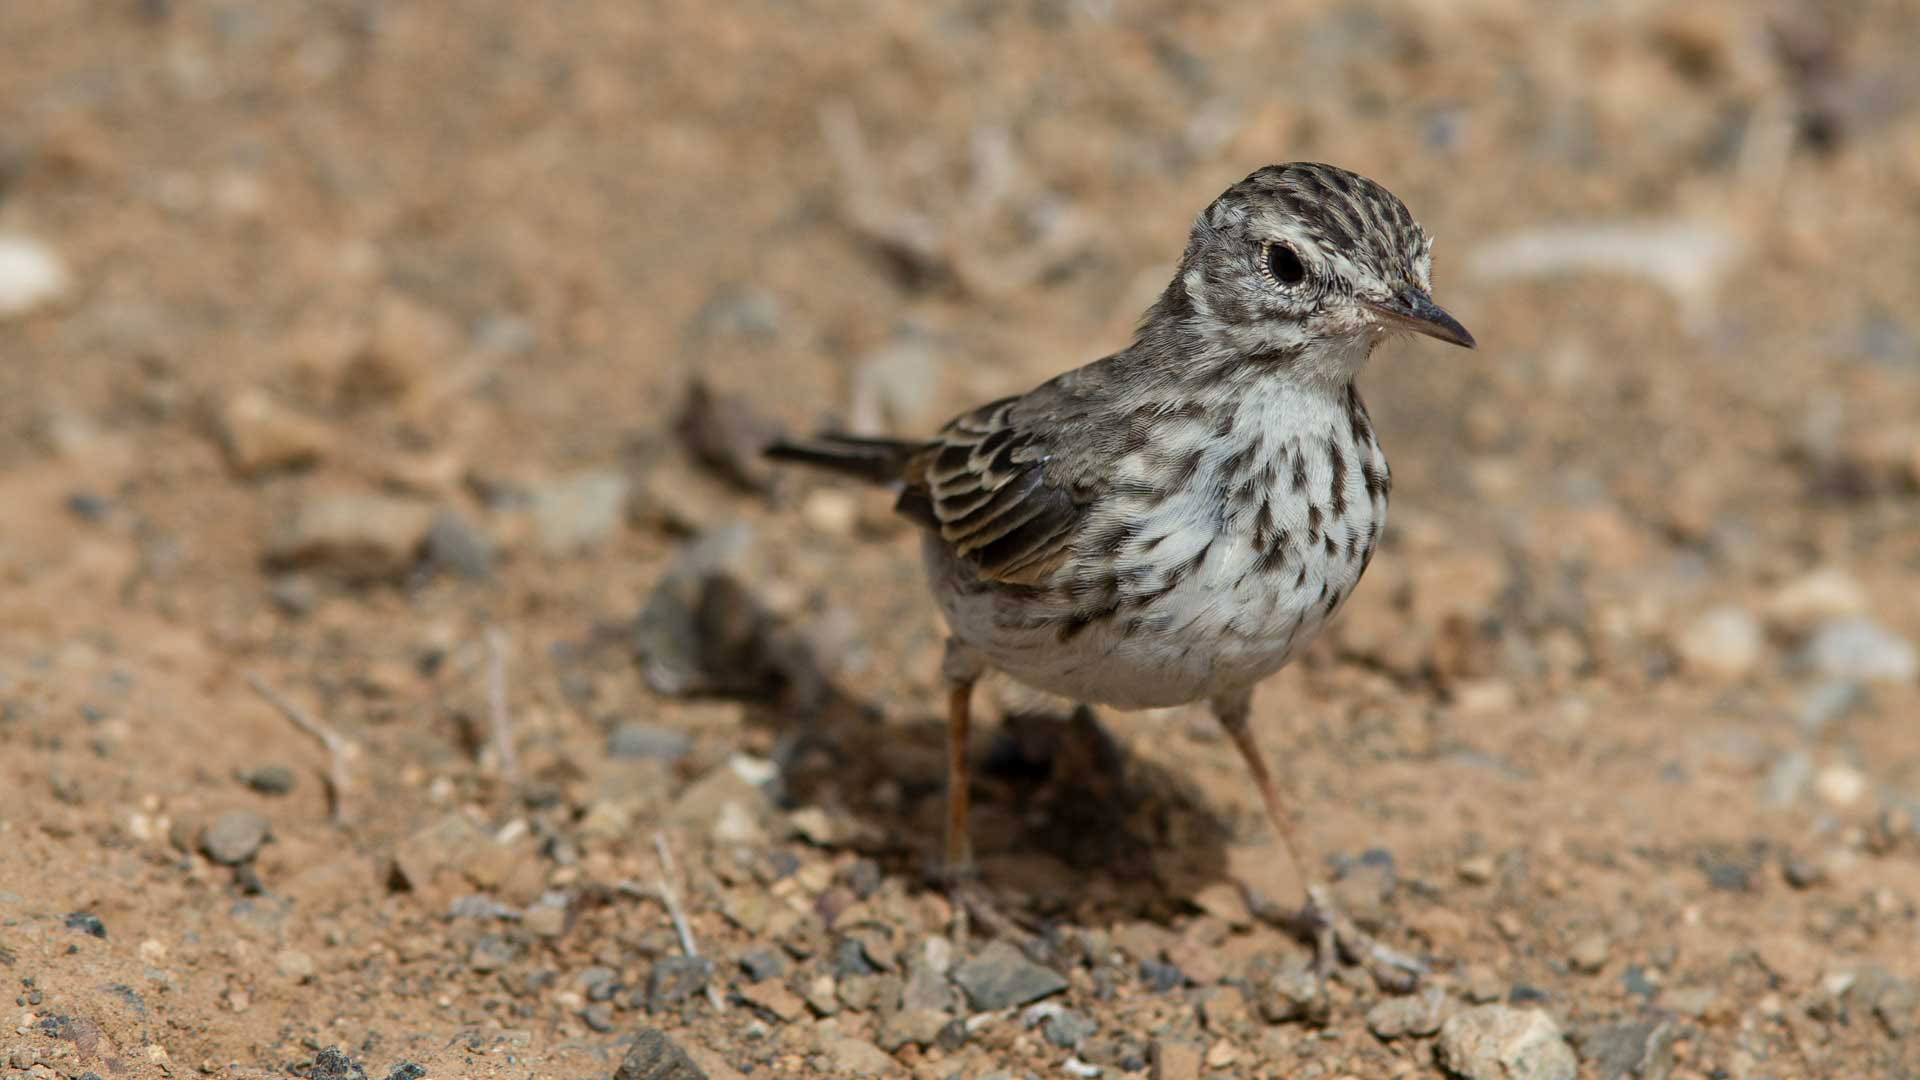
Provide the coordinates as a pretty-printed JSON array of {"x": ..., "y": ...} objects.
[{"x": 1172, "y": 523}]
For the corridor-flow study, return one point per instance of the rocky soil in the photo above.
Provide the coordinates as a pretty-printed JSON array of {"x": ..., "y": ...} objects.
[{"x": 408, "y": 669}]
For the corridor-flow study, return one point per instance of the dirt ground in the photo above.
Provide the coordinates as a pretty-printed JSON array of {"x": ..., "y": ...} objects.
[{"x": 386, "y": 377}]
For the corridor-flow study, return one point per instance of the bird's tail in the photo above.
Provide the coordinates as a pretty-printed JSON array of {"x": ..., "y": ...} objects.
[{"x": 877, "y": 461}]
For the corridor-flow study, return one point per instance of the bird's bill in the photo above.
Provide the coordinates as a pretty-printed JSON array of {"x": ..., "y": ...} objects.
[{"x": 1412, "y": 310}]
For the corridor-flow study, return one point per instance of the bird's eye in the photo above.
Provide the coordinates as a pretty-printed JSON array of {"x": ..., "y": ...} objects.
[{"x": 1284, "y": 265}]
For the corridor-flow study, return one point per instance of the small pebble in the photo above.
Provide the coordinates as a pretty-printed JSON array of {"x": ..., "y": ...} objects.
[
  {"x": 1494, "y": 1042},
  {"x": 1001, "y": 977},
  {"x": 1589, "y": 953},
  {"x": 234, "y": 837}
]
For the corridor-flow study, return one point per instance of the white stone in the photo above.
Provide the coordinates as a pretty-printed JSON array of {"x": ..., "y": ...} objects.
[{"x": 32, "y": 275}]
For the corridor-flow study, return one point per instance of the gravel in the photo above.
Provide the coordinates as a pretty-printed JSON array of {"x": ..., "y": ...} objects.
[
  {"x": 1495, "y": 1042},
  {"x": 1001, "y": 977},
  {"x": 654, "y": 1056},
  {"x": 234, "y": 837}
]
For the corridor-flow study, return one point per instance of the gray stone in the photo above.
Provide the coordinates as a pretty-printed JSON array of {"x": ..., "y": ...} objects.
[
  {"x": 675, "y": 979},
  {"x": 1292, "y": 993},
  {"x": 1861, "y": 649},
  {"x": 1066, "y": 1029},
  {"x": 234, "y": 837},
  {"x": 1001, "y": 977},
  {"x": 456, "y": 544},
  {"x": 1416, "y": 1014},
  {"x": 1629, "y": 1049},
  {"x": 268, "y": 779},
  {"x": 1495, "y": 1042},
  {"x": 763, "y": 964},
  {"x": 579, "y": 512},
  {"x": 653, "y": 1056},
  {"x": 634, "y": 740}
]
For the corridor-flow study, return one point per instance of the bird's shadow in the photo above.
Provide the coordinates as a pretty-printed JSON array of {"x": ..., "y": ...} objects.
[{"x": 1066, "y": 822}]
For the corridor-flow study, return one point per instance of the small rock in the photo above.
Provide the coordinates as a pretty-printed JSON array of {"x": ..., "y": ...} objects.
[
  {"x": 1861, "y": 649},
  {"x": 1892, "y": 1000},
  {"x": 355, "y": 536},
  {"x": 293, "y": 964},
  {"x": 1293, "y": 993},
  {"x": 1495, "y": 1042},
  {"x": 491, "y": 953},
  {"x": 457, "y": 545},
  {"x": 1417, "y": 1014},
  {"x": 1161, "y": 978},
  {"x": 723, "y": 804},
  {"x": 579, "y": 512},
  {"x": 774, "y": 999},
  {"x": 1629, "y": 1050},
  {"x": 331, "y": 1064},
  {"x": 234, "y": 837},
  {"x": 674, "y": 979},
  {"x": 1066, "y": 1029},
  {"x": 545, "y": 920},
  {"x": 1481, "y": 985},
  {"x": 1823, "y": 595},
  {"x": 1476, "y": 869},
  {"x": 598, "y": 1016},
  {"x": 1724, "y": 643},
  {"x": 87, "y": 923},
  {"x": 1692, "y": 1002},
  {"x": 261, "y": 435},
  {"x": 653, "y": 1056},
  {"x": 1840, "y": 786},
  {"x": 1589, "y": 954},
  {"x": 761, "y": 964},
  {"x": 1001, "y": 977},
  {"x": 635, "y": 740},
  {"x": 912, "y": 1027},
  {"x": 268, "y": 779},
  {"x": 32, "y": 275},
  {"x": 857, "y": 1057},
  {"x": 1175, "y": 1060}
]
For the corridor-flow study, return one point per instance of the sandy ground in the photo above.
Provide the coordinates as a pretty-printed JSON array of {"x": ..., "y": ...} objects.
[{"x": 403, "y": 361}]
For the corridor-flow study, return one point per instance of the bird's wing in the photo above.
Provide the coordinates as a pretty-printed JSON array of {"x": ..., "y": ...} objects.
[{"x": 995, "y": 489}]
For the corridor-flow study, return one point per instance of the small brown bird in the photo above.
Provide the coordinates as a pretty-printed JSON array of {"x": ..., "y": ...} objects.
[{"x": 1173, "y": 522}]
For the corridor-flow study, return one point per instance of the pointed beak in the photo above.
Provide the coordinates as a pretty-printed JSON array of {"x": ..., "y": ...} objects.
[{"x": 1412, "y": 310}]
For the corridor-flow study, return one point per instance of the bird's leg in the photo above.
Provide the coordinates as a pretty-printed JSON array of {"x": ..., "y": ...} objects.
[
  {"x": 1333, "y": 932},
  {"x": 958, "y": 862},
  {"x": 961, "y": 668}
]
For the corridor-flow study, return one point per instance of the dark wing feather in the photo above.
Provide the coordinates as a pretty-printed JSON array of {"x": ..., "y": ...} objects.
[{"x": 989, "y": 485}]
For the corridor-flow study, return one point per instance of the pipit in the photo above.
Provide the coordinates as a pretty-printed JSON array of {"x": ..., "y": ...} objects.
[{"x": 1172, "y": 523}]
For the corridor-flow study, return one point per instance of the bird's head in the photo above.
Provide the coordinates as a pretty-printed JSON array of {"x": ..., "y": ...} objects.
[{"x": 1306, "y": 264}]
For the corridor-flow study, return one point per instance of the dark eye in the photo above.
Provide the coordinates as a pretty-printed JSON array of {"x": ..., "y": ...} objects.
[{"x": 1284, "y": 265}]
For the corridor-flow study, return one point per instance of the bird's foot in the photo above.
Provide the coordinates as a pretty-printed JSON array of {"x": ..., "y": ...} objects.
[
  {"x": 1334, "y": 935},
  {"x": 974, "y": 903}
]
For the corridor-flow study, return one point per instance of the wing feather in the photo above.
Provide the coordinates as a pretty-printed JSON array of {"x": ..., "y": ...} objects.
[{"x": 992, "y": 487}]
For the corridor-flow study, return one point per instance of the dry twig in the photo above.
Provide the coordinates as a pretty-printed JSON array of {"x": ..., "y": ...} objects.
[
  {"x": 338, "y": 748},
  {"x": 671, "y": 898}
]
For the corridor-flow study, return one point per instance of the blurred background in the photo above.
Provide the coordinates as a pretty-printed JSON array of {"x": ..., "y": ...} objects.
[{"x": 402, "y": 367}]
